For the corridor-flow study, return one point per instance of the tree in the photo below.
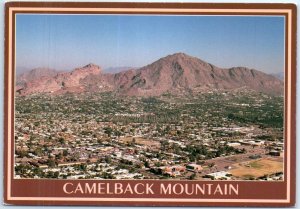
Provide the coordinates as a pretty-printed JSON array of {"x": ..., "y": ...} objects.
[
  {"x": 193, "y": 176},
  {"x": 21, "y": 153},
  {"x": 38, "y": 151},
  {"x": 62, "y": 140},
  {"x": 82, "y": 167},
  {"x": 108, "y": 131},
  {"x": 56, "y": 175},
  {"x": 51, "y": 163},
  {"x": 59, "y": 156},
  {"x": 37, "y": 171},
  {"x": 118, "y": 133},
  {"x": 65, "y": 153},
  {"x": 21, "y": 169},
  {"x": 192, "y": 158},
  {"x": 108, "y": 159},
  {"x": 147, "y": 165}
]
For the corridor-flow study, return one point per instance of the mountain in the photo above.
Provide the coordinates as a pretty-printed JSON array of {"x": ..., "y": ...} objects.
[
  {"x": 36, "y": 74},
  {"x": 114, "y": 70},
  {"x": 51, "y": 81},
  {"x": 177, "y": 74},
  {"x": 180, "y": 73},
  {"x": 25, "y": 79},
  {"x": 279, "y": 75}
]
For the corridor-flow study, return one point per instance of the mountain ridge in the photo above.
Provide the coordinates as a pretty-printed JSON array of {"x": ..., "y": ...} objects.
[{"x": 178, "y": 73}]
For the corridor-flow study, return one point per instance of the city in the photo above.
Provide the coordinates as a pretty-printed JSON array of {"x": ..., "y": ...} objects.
[{"x": 213, "y": 135}]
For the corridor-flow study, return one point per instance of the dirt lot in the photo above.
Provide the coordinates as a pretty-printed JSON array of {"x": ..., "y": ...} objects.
[
  {"x": 222, "y": 162},
  {"x": 256, "y": 168}
]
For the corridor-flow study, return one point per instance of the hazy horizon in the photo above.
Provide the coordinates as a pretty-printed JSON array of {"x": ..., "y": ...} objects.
[{"x": 65, "y": 42}]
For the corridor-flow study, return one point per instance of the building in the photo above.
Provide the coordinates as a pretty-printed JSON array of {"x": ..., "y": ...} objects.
[{"x": 219, "y": 175}]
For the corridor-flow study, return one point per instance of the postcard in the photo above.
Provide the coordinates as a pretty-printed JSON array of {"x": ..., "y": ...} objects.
[{"x": 150, "y": 104}]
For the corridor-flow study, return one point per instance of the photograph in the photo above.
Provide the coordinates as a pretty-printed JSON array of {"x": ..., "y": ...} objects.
[
  {"x": 187, "y": 104},
  {"x": 149, "y": 97}
]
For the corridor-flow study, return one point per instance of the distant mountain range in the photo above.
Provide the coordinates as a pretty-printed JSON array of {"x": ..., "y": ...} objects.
[
  {"x": 176, "y": 74},
  {"x": 117, "y": 69},
  {"x": 279, "y": 75}
]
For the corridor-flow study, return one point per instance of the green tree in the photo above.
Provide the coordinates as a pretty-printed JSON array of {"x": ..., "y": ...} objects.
[
  {"x": 193, "y": 176},
  {"x": 51, "y": 163},
  {"x": 108, "y": 159},
  {"x": 65, "y": 153}
]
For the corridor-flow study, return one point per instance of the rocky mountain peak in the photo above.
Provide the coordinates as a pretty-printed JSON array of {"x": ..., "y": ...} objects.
[
  {"x": 91, "y": 65},
  {"x": 89, "y": 68}
]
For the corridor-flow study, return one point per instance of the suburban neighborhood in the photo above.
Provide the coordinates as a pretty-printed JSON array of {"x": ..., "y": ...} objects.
[{"x": 210, "y": 136}]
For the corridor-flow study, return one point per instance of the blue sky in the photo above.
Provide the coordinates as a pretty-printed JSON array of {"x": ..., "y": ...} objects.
[{"x": 65, "y": 42}]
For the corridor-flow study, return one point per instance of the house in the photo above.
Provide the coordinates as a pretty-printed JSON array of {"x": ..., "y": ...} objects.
[
  {"x": 173, "y": 171},
  {"x": 234, "y": 144}
]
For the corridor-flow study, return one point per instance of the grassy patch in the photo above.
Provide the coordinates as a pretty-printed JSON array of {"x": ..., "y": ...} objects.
[{"x": 256, "y": 164}]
